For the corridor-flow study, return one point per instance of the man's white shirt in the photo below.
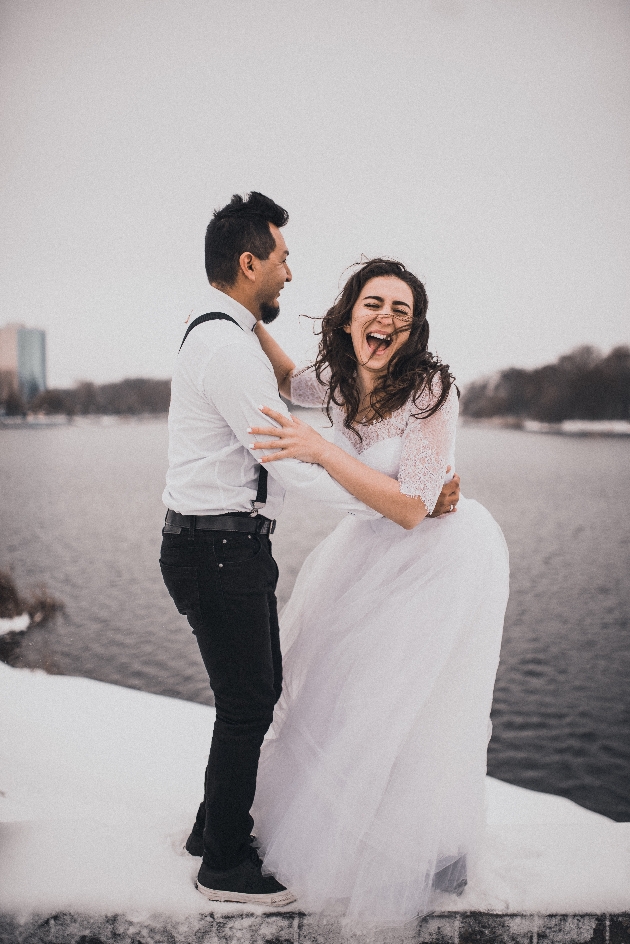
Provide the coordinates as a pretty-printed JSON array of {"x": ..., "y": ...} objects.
[{"x": 221, "y": 379}]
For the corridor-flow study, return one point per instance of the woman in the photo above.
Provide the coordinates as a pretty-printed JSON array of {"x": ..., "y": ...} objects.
[{"x": 371, "y": 790}]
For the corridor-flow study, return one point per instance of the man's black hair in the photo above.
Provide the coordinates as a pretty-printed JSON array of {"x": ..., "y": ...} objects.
[{"x": 241, "y": 226}]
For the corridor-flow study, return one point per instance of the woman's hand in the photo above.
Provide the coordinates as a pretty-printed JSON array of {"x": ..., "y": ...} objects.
[{"x": 293, "y": 439}]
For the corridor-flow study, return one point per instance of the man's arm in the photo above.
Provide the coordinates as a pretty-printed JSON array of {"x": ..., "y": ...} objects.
[
  {"x": 238, "y": 380},
  {"x": 293, "y": 439}
]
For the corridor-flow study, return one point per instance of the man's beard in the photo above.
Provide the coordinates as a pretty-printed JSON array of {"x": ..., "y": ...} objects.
[{"x": 268, "y": 312}]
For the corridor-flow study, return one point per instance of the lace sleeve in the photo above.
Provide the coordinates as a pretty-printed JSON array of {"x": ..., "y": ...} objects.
[
  {"x": 306, "y": 390},
  {"x": 427, "y": 445}
]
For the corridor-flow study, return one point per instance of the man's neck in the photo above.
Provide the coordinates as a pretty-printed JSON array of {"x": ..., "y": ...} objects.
[{"x": 242, "y": 298}]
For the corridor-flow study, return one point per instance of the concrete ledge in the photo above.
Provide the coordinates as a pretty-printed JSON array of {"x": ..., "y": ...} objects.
[{"x": 299, "y": 928}]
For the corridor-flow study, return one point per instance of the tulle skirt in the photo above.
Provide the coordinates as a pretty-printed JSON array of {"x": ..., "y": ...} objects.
[{"x": 372, "y": 781}]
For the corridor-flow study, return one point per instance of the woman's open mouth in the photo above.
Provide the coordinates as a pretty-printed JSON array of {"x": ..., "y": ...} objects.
[{"x": 377, "y": 342}]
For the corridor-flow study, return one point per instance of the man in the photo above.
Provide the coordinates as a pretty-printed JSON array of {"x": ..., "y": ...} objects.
[{"x": 216, "y": 553}]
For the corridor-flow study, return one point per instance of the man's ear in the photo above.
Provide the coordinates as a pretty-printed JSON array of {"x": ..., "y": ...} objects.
[{"x": 247, "y": 265}]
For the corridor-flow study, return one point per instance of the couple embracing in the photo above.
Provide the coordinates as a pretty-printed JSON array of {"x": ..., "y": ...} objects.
[{"x": 368, "y": 795}]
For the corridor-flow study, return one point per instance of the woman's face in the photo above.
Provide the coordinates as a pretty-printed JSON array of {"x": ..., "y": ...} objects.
[{"x": 381, "y": 321}]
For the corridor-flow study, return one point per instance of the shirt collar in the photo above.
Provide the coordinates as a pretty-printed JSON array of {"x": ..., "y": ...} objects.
[{"x": 229, "y": 306}]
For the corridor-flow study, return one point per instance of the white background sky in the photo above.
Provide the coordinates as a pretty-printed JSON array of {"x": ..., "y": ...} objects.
[{"x": 485, "y": 143}]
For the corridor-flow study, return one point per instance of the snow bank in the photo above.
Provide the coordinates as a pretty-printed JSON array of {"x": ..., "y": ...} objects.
[
  {"x": 14, "y": 624},
  {"x": 99, "y": 784}
]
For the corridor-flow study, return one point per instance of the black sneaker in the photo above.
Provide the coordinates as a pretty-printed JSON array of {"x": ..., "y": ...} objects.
[
  {"x": 245, "y": 883},
  {"x": 194, "y": 844}
]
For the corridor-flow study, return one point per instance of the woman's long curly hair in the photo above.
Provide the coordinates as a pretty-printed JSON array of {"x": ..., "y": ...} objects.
[{"x": 411, "y": 371}]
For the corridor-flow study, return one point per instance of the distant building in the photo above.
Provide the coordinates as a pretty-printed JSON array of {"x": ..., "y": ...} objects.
[{"x": 23, "y": 359}]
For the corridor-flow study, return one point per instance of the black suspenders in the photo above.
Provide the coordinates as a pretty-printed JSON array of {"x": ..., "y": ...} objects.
[
  {"x": 261, "y": 492},
  {"x": 211, "y": 316}
]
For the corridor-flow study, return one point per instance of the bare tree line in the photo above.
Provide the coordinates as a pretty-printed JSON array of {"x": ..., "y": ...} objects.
[
  {"x": 582, "y": 385},
  {"x": 128, "y": 397}
]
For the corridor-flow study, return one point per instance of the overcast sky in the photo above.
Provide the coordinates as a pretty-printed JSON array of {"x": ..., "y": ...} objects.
[{"x": 485, "y": 143}]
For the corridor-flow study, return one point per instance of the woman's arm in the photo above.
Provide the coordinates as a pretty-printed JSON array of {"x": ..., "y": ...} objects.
[
  {"x": 296, "y": 440},
  {"x": 282, "y": 364},
  {"x": 375, "y": 489}
]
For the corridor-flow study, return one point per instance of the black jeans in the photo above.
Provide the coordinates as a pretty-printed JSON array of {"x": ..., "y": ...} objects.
[{"x": 224, "y": 582}]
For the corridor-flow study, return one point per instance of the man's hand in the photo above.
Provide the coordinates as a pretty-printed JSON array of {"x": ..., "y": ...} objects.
[{"x": 449, "y": 496}]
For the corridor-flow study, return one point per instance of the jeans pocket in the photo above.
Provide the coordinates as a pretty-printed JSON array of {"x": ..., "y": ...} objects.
[
  {"x": 238, "y": 548},
  {"x": 183, "y": 585}
]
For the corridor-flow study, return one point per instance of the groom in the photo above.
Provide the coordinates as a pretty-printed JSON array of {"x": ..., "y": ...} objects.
[{"x": 216, "y": 556}]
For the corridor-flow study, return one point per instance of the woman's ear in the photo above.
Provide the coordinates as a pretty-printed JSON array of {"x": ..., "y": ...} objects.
[{"x": 347, "y": 328}]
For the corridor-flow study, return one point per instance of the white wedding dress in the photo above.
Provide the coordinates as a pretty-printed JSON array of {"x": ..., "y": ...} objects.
[{"x": 373, "y": 778}]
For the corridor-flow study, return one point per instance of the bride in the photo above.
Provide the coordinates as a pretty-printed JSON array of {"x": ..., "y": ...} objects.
[{"x": 370, "y": 793}]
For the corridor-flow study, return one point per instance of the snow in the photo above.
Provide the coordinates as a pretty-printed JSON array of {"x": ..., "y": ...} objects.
[
  {"x": 99, "y": 785},
  {"x": 14, "y": 624},
  {"x": 580, "y": 427}
]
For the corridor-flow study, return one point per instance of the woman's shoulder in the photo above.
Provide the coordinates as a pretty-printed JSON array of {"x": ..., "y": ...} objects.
[{"x": 306, "y": 388}]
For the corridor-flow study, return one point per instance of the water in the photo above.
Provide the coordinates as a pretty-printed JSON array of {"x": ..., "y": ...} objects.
[{"x": 80, "y": 510}]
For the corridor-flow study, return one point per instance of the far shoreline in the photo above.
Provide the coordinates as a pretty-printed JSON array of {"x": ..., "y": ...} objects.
[
  {"x": 608, "y": 428},
  {"x": 614, "y": 428},
  {"x": 40, "y": 421}
]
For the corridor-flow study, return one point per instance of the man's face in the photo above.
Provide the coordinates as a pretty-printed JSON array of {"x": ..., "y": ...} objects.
[{"x": 274, "y": 272}]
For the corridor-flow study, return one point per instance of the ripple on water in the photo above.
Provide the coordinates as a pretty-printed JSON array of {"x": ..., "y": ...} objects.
[{"x": 81, "y": 510}]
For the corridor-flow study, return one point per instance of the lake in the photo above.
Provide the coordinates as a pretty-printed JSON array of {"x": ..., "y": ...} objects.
[{"x": 80, "y": 511}]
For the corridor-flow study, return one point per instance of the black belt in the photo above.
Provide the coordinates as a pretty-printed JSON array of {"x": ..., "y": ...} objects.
[{"x": 237, "y": 521}]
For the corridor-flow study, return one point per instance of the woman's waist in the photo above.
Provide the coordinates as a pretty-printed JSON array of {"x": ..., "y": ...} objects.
[{"x": 468, "y": 511}]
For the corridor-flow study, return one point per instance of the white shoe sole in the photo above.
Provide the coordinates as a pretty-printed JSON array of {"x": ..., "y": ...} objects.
[{"x": 278, "y": 899}]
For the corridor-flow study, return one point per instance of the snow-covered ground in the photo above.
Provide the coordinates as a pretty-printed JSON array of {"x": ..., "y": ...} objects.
[
  {"x": 14, "y": 624},
  {"x": 98, "y": 785}
]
